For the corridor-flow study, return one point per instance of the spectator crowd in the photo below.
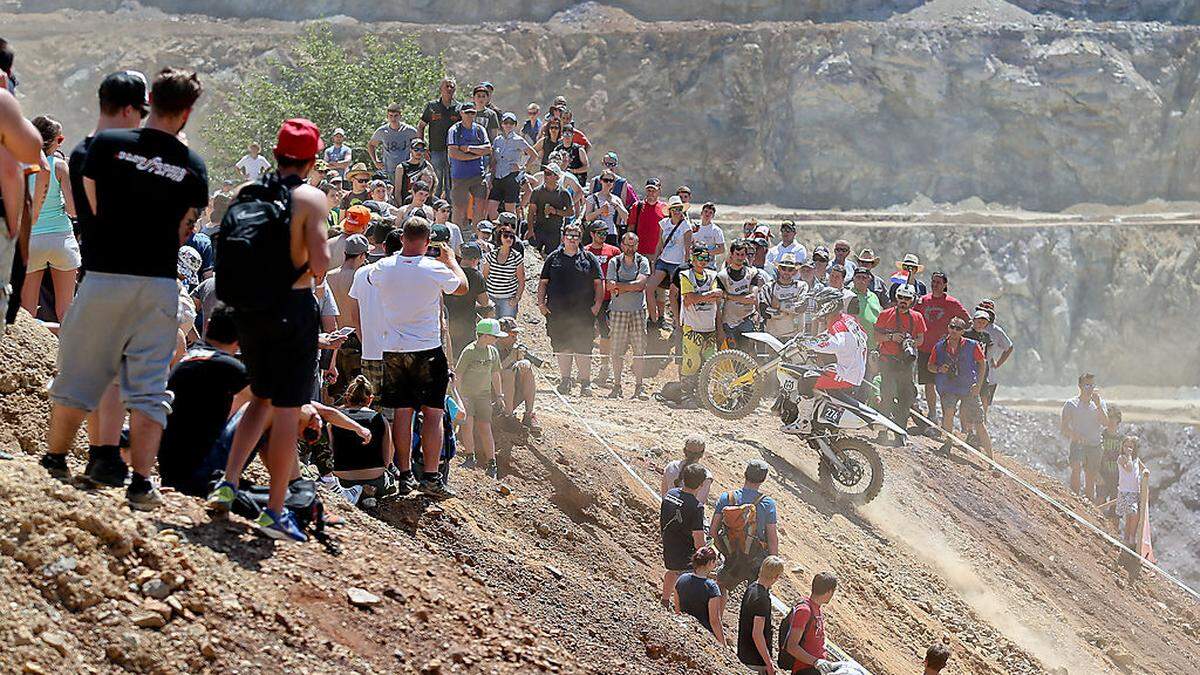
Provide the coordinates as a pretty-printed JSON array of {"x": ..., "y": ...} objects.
[{"x": 357, "y": 310}]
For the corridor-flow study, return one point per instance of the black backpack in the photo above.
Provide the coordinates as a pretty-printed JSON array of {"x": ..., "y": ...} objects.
[
  {"x": 782, "y": 658},
  {"x": 253, "y": 265}
]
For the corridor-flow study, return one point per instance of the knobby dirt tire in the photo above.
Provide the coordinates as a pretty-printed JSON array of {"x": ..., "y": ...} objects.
[
  {"x": 727, "y": 364},
  {"x": 865, "y": 451}
]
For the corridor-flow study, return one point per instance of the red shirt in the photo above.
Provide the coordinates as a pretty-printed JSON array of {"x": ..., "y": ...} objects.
[
  {"x": 813, "y": 641},
  {"x": 581, "y": 139},
  {"x": 937, "y": 313},
  {"x": 912, "y": 323},
  {"x": 644, "y": 219},
  {"x": 604, "y": 252}
]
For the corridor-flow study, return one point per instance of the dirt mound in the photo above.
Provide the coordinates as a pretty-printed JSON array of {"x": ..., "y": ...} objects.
[
  {"x": 977, "y": 11},
  {"x": 28, "y": 354}
]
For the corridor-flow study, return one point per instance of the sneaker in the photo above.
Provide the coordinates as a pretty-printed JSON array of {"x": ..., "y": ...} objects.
[
  {"x": 220, "y": 500},
  {"x": 329, "y": 480},
  {"x": 469, "y": 462},
  {"x": 144, "y": 499},
  {"x": 6, "y": 455},
  {"x": 585, "y": 390},
  {"x": 56, "y": 465},
  {"x": 493, "y": 470},
  {"x": 282, "y": 526},
  {"x": 436, "y": 488},
  {"x": 616, "y": 392},
  {"x": 564, "y": 386},
  {"x": 639, "y": 392},
  {"x": 406, "y": 485},
  {"x": 105, "y": 470}
]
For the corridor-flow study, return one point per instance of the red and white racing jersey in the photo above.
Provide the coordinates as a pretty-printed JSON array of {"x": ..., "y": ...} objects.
[{"x": 847, "y": 341}]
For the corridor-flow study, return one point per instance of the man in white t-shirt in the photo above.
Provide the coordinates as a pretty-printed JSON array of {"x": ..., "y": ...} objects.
[
  {"x": 253, "y": 165},
  {"x": 415, "y": 370},
  {"x": 709, "y": 233},
  {"x": 787, "y": 244}
]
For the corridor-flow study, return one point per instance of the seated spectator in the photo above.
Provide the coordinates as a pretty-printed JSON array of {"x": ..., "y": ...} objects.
[
  {"x": 681, "y": 521},
  {"x": 359, "y": 463},
  {"x": 806, "y": 632},
  {"x": 756, "y": 630},
  {"x": 516, "y": 374},
  {"x": 208, "y": 384},
  {"x": 699, "y": 596},
  {"x": 935, "y": 658},
  {"x": 693, "y": 452},
  {"x": 478, "y": 372}
]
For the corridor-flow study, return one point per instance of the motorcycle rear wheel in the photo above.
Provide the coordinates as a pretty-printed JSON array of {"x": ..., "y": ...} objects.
[
  {"x": 720, "y": 394},
  {"x": 866, "y": 457}
]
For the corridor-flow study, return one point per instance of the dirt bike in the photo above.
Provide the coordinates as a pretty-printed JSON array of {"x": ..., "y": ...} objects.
[{"x": 732, "y": 383}]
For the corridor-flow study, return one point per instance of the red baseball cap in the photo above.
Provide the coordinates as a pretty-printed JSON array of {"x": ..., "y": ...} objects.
[{"x": 299, "y": 139}]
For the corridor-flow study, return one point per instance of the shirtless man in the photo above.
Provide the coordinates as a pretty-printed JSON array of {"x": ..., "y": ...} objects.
[{"x": 274, "y": 341}]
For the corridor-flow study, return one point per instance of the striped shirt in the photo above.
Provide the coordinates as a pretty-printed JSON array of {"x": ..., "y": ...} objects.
[{"x": 502, "y": 276}]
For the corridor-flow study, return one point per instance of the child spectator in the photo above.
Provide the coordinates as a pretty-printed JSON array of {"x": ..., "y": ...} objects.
[
  {"x": 681, "y": 520},
  {"x": 454, "y": 415},
  {"x": 1110, "y": 450},
  {"x": 1130, "y": 473},
  {"x": 755, "y": 628},
  {"x": 699, "y": 595},
  {"x": 478, "y": 371}
]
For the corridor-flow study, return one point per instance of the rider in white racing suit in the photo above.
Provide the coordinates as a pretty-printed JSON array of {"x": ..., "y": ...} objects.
[{"x": 843, "y": 338}]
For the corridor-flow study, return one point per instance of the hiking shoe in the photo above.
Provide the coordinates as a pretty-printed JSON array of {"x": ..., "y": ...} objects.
[
  {"x": 406, "y": 485},
  {"x": 436, "y": 488},
  {"x": 564, "y": 386},
  {"x": 145, "y": 498},
  {"x": 56, "y": 466},
  {"x": 282, "y": 526},
  {"x": 639, "y": 392},
  {"x": 493, "y": 470},
  {"x": 220, "y": 500},
  {"x": 469, "y": 462},
  {"x": 105, "y": 471},
  {"x": 585, "y": 390},
  {"x": 615, "y": 393}
]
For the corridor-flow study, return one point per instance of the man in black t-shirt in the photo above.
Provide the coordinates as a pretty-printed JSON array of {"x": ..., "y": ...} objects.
[
  {"x": 756, "y": 632},
  {"x": 681, "y": 520},
  {"x": 461, "y": 309},
  {"x": 439, "y": 115},
  {"x": 209, "y": 383},
  {"x": 145, "y": 189},
  {"x": 570, "y": 293},
  {"x": 547, "y": 206}
]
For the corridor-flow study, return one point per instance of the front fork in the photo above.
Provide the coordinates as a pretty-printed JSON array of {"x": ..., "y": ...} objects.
[{"x": 821, "y": 445}]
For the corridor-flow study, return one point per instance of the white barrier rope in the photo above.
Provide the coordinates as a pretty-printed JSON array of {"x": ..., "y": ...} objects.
[
  {"x": 1060, "y": 506},
  {"x": 778, "y": 604}
]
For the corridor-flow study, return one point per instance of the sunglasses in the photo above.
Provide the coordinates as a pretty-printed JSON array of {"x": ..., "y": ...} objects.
[
  {"x": 507, "y": 235},
  {"x": 610, "y": 165},
  {"x": 956, "y": 330},
  {"x": 358, "y": 180},
  {"x": 571, "y": 235},
  {"x": 608, "y": 180},
  {"x": 841, "y": 250}
]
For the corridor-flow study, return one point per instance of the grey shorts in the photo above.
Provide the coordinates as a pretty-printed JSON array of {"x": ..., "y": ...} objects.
[{"x": 119, "y": 326}]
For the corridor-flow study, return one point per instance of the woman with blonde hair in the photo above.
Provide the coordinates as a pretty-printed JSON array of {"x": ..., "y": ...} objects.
[{"x": 52, "y": 242}]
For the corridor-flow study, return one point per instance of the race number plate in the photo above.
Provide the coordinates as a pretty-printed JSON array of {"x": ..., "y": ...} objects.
[{"x": 831, "y": 415}]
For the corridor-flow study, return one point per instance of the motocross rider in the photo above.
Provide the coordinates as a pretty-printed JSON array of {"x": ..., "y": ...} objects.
[{"x": 840, "y": 336}]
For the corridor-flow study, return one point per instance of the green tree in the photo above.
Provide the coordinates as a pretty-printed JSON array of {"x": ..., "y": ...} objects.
[{"x": 329, "y": 84}]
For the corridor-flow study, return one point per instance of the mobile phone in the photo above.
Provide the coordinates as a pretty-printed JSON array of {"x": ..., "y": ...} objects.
[
  {"x": 344, "y": 331},
  {"x": 433, "y": 251}
]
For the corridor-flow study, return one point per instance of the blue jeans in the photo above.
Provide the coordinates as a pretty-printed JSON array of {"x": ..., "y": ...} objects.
[
  {"x": 505, "y": 307},
  {"x": 441, "y": 168}
]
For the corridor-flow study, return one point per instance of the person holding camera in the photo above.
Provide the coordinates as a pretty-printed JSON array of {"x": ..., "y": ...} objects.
[
  {"x": 960, "y": 369},
  {"x": 516, "y": 374},
  {"x": 1084, "y": 418},
  {"x": 899, "y": 332}
]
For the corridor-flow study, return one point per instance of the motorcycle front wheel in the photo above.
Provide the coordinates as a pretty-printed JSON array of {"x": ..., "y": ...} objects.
[
  {"x": 863, "y": 478},
  {"x": 731, "y": 384}
]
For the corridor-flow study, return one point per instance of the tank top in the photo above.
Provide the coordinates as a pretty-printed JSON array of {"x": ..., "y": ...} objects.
[
  {"x": 53, "y": 217},
  {"x": 611, "y": 218},
  {"x": 349, "y": 451}
]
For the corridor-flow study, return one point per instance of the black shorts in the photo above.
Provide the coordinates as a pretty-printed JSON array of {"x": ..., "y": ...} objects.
[
  {"x": 506, "y": 190},
  {"x": 924, "y": 374},
  {"x": 415, "y": 379},
  {"x": 677, "y": 559},
  {"x": 279, "y": 349},
  {"x": 571, "y": 332},
  {"x": 602, "y": 327}
]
